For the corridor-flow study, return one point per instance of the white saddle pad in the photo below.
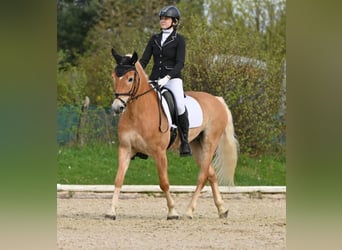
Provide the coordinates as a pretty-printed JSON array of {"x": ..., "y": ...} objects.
[{"x": 195, "y": 114}]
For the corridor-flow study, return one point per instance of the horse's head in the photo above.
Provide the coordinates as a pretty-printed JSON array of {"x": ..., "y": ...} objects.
[{"x": 126, "y": 80}]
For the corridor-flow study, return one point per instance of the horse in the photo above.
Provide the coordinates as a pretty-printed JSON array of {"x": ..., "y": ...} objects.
[{"x": 144, "y": 129}]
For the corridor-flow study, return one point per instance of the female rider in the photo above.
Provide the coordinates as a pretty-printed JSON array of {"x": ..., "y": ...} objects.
[{"x": 168, "y": 50}]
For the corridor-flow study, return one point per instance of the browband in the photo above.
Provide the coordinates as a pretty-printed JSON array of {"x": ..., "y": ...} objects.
[{"x": 120, "y": 70}]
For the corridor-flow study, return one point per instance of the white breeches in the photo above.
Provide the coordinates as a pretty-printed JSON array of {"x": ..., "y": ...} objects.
[{"x": 175, "y": 85}]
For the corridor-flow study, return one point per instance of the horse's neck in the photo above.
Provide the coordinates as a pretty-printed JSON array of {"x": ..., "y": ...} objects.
[{"x": 144, "y": 104}]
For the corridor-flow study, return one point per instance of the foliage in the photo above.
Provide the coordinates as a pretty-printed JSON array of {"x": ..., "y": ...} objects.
[
  {"x": 233, "y": 62},
  {"x": 74, "y": 19},
  {"x": 71, "y": 81},
  {"x": 123, "y": 26},
  {"x": 97, "y": 164},
  {"x": 235, "y": 49}
]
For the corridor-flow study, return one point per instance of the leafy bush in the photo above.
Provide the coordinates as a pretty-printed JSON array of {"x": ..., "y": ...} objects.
[{"x": 227, "y": 63}]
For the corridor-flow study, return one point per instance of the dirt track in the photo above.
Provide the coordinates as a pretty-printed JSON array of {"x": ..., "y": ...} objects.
[{"x": 255, "y": 221}]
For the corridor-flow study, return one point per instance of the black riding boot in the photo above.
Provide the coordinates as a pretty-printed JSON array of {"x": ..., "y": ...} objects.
[{"x": 183, "y": 127}]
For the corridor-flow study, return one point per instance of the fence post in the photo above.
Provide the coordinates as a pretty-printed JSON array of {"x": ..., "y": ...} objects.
[{"x": 82, "y": 122}]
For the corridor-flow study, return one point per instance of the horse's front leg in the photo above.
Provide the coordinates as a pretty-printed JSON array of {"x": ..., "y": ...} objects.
[
  {"x": 161, "y": 162},
  {"x": 123, "y": 163}
]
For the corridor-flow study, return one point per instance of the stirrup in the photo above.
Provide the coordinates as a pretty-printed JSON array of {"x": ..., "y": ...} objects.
[{"x": 140, "y": 155}]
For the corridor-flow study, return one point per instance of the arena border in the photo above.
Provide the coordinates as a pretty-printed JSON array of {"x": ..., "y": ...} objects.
[{"x": 173, "y": 189}]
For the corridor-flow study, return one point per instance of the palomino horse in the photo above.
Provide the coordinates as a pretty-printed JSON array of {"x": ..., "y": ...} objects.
[{"x": 139, "y": 131}]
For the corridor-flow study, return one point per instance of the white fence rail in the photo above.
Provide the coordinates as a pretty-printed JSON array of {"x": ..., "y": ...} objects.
[{"x": 173, "y": 189}]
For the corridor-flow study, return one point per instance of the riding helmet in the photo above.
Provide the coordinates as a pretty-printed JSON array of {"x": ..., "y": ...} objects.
[{"x": 170, "y": 11}]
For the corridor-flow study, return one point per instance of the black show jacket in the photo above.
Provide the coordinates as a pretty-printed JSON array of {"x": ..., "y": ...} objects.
[{"x": 167, "y": 59}]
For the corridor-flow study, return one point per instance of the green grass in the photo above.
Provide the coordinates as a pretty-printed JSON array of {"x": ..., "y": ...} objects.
[
  {"x": 260, "y": 171},
  {"x": 97, "y": 164}
]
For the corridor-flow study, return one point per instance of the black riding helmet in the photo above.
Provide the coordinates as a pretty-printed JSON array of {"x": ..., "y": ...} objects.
[{"x": 171, "y": 11}]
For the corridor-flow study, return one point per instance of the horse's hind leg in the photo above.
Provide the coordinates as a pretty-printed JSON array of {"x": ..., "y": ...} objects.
[
  {"x": 203, "y": 155},
  {"x": 161, "y": 162},
  {"x": 193, "y": 202},
  {"x": 203, "y": 161},
  {"x": 222, "y": 211}
]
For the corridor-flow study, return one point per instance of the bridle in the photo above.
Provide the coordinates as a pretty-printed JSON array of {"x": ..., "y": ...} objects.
[{"x": 132, "y": 93}]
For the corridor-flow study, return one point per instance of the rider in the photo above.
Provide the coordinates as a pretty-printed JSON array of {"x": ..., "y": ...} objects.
[{"x": 168, "y": 50}]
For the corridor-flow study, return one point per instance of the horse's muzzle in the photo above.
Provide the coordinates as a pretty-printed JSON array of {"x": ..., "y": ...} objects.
[{"x": 118, "y": 106}]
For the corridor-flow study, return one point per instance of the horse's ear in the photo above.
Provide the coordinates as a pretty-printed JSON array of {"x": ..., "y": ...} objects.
[
  {"x": 116, "y": 56},
  {"x": 134, "y": 58}
]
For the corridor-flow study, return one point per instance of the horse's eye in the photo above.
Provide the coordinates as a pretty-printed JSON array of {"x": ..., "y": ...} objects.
[{"x": 130, "y": 79}]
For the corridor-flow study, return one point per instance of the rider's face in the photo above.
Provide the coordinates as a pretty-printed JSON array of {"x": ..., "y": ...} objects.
[{"x": 165, "y": 22}]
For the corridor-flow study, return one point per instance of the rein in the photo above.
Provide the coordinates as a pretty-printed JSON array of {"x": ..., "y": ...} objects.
[
  {"x": 159, "y": 96},
  {"x": 132, "y": 96}
]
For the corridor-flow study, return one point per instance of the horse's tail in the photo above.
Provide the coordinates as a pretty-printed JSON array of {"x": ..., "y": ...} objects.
[{"x": 226, "y": 153}]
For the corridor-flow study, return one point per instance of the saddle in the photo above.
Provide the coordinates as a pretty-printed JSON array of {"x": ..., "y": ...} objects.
[
  {"x": 195, "y": 114},
  {"x": 171, "y": 103}
]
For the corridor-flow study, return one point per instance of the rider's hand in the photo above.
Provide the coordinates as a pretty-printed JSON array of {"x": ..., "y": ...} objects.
[{"x": 164, "y": 80}]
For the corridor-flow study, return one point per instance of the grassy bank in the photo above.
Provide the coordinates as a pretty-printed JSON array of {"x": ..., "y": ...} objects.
[{"x": 97, "y": 164}]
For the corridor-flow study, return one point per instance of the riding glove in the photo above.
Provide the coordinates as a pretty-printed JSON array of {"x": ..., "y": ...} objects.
[{"x": 164, "y": 80}]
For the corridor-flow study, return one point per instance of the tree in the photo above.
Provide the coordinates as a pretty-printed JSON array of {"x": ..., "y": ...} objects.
[
  {"x": 74, "y": 20},
  {"x": 124, "y": 25}
]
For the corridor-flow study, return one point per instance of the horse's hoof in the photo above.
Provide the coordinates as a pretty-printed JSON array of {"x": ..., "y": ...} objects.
[
  {"x": 173, "y": 217},
  {"x": 189, "y": 215},
  {"x": 110, "y": 216},
  {"x": 224, "y": 215}
]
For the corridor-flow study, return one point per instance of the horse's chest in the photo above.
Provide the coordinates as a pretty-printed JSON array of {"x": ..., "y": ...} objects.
[
  {"x": 140, "y": 134},
  {"x": 133, "y": 138}
]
